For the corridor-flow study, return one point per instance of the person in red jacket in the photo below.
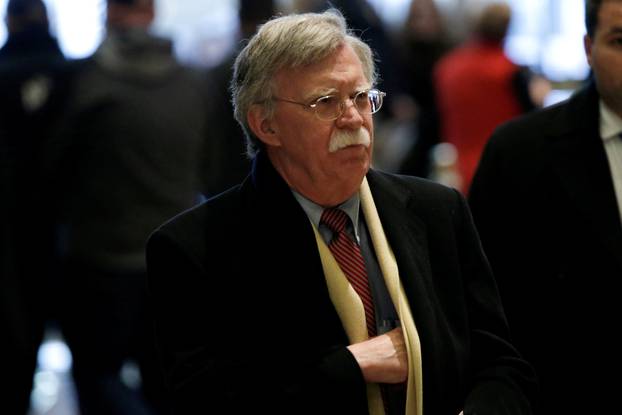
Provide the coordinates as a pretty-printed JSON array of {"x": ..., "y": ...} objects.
[{"x": 477, "y": 88}]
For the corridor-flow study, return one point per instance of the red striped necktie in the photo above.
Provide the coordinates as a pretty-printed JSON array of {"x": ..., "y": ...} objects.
[{"x": 350, "y": 260}]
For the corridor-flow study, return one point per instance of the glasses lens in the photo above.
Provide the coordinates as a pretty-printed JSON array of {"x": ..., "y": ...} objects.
[
  {"x": 363, "y": 103},
  {"x": 368, "y": 102},
  {"x": 375, "y": 100},
  {"x": 327, "y": 108}
]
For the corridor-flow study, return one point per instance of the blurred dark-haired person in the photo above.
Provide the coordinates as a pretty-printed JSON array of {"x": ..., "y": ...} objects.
[
  {"x": 228, "y": 162},
  {"x": 547, "y": 200},
  {"x": 319, "y": 285}
]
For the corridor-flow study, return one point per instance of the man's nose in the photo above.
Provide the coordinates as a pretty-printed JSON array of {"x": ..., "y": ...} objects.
[{"x": 350, "y": 116}]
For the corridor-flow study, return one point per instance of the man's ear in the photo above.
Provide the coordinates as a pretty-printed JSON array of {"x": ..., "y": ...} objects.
[
  {"x": 587, "y": 46},
  {"x": 262, "y": 126}
]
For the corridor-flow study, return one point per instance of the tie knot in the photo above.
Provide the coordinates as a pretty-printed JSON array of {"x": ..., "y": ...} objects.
[{"x": 335, "y": 219}]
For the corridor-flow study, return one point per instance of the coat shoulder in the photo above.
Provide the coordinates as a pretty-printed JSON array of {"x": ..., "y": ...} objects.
[
  {"x": 193, "y": 227},
  {"x": 563, "y": 119},
  {"x": 416, "y": 191}
]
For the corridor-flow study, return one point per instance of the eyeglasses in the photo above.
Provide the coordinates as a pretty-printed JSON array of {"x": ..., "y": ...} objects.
[{"x": 330, "y": 107}]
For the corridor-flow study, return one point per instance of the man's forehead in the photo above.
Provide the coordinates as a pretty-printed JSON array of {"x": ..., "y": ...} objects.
[
  {"x": 608, "y": 4},
  {"x": 610, "y": 16},
  {"x": 333, "y": 66},
  {"x": 312, "y": 88}
]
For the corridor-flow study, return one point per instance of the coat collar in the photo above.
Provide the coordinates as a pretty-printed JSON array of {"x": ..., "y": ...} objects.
[{"x": 406, "y": 232}]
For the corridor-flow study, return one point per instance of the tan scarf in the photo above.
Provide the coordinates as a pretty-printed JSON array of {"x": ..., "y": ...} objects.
[{"x": 352, "y": 313}]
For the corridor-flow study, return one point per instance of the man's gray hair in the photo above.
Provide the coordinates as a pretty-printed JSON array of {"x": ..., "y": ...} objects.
[{"x": 290, "y": 41}]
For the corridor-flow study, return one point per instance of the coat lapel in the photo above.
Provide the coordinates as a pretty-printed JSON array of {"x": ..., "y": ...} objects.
[
  {"x": 285, "y": 245},
  {"x": 407, "y": 236},
  {"x": 581, "y": 164}
]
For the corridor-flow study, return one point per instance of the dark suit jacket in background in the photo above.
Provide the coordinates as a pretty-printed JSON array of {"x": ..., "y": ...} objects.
[
  {"x": 544, "y": 203},
  {"x": 35, "y": 80},
  {"x": 246, "y": 325}
]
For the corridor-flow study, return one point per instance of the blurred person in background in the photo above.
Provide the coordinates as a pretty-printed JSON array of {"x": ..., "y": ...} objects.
[
  {"x": 547, "y": 200},
  {"x": 34, "y": 81},
  {"x": 478, "y": 87},
  {"x": 422, "y": 42},
  {"x": 128, "y": 155},
  {"x": 228, "y": 163}
]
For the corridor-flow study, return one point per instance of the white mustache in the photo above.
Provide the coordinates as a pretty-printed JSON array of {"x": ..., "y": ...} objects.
[{"x": 344, "y": 138}]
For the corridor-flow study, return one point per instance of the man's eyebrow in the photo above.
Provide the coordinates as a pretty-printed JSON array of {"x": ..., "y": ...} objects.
[
  {"x": 616, "y": 30},
  {"x": 321, "y": 92}
]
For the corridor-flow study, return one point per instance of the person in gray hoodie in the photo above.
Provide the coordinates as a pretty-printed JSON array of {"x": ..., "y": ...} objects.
[{"x": 128, "y": 156}]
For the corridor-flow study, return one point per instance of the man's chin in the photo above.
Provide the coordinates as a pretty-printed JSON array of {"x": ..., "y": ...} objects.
[{"x": 354, "y": 157}]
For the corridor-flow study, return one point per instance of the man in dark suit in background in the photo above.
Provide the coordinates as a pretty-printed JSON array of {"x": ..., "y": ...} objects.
[
  {"x": 547, "y": 200},
  {"x": 34, "y": 81},
  {"x": 318, "y": 285}
]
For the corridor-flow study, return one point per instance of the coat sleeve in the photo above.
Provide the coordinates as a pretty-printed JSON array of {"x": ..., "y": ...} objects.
[{"x": 212, "y": 365}]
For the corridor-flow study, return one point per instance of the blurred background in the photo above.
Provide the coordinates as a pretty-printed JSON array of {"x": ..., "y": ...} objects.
[{"x": 544, "y": 36}]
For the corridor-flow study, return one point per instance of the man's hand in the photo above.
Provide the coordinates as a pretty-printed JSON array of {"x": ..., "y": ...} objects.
[{"x": 383, "y": 359}]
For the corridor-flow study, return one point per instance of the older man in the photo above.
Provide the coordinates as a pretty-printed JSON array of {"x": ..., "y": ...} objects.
[
  {"x": 547, "y": 198},
  {"x": 319, "y": 285}
]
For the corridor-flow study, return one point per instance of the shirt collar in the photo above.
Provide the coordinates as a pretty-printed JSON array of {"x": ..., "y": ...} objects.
[
  {"x": 314, "y": 211},
  {"x": 610, "y": 122}
]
